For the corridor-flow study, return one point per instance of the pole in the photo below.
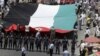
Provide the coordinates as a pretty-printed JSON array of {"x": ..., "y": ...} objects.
[{"x": 52, "y": 33}]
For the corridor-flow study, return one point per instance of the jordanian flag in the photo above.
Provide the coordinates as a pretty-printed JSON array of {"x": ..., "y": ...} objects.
[{"x": 61, "y": 17}]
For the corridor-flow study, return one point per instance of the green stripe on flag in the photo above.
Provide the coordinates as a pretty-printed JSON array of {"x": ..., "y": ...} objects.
[{"x": 65, "y": 18}]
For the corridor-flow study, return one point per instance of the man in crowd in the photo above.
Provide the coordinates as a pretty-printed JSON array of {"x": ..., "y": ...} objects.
[
  {"x": 32, "y": 43},
  {"x": 73, "y": 45},
  {"x": 57, "y": 45},
  {"x": 5, "y": 42},
  {"x": 10, "y": 40},
  {"x": 20, "y": 42},
  {"x": 37, "y": 34},
  {"x": 14, "y": 42},
  {"x": 45, "y": 43},
  {"x": 23, "y": 49},
  {"x": 83, "y": 16},
  {"x": 98, "y": 33},
  {"x": 82, "y": 46},
  {"x": 51, "y": 47},
  {"x": 66, "y": 53},
  {"x": 87, "y": 32},
  {"x": 65, "y": 44},
  {"x": 38, "y": 41},
  {"x": 26, "y": 42}
]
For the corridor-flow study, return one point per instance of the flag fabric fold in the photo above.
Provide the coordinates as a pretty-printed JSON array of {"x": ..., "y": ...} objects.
[{"x": 61, "y": 17}]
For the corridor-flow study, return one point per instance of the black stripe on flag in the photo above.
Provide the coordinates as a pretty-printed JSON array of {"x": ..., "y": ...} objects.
[{"x": 20, "y": 14}]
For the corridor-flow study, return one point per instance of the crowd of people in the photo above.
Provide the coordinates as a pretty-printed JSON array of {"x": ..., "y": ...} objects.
[
  {"x": 16, "y": 41},
  {"x": 88, "y": 18}
]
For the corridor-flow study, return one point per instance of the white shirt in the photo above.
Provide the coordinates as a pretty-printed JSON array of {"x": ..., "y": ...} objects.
[
  {"x": 83, "y": 15},
  {"x": 66, "y": 53},
  {"x": 97, "y": 32},
  {"x": 37, "y": 34},
  {"x": 96, "y": 15},
  {"x": 96, "y": 28},
  {"x": 23, "y": 50},
  {"x": 87, "y": 31},
  {"x": 83, "y": 45},
  {"x": 51, "y": 46},
  {"x": 89, "y": 7},
  {"x": 99, "y": 18}
]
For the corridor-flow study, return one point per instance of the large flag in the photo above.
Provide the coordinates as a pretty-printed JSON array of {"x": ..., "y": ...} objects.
[{"x": 61, "y": 17}]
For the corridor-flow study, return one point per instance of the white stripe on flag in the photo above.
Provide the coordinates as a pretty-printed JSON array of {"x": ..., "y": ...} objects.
[{"x": 44, "y": 16}]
